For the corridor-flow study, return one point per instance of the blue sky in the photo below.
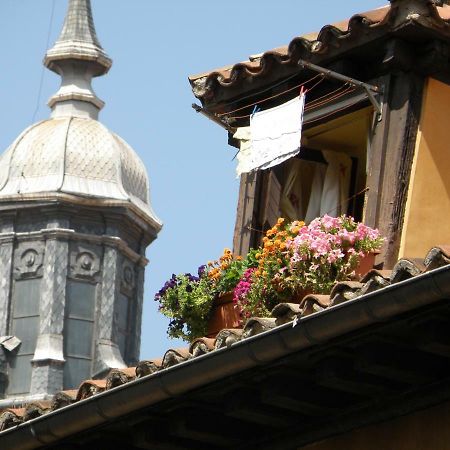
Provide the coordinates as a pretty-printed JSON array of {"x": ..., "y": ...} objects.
[{"x": 155, "y": 46}]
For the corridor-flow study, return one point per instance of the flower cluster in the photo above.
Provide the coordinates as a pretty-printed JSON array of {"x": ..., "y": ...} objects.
[
  {"x": 187, "y": 299},
  {"x": 241, "y": 291},
  {"x": 296, "y": 258},
  {"x": 293, "y": 259}
]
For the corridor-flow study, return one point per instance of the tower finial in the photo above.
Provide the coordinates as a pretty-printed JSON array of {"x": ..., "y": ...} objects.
[{"x": 78, "y": 57}]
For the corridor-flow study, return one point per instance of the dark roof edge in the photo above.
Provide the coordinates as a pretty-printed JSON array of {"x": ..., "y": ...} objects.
[{"x": 276, "y": 343}]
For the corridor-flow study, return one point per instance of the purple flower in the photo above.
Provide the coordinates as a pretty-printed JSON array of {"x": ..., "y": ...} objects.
[{"x": 201, "y": 270}]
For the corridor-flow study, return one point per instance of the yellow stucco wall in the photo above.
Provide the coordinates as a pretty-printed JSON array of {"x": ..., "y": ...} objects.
[
  {"x": 424, "y": 430},
  {"x": 428, "y": 207}
]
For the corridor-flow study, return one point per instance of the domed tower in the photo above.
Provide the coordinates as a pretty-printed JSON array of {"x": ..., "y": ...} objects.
[{"x": 74, "y": 225}]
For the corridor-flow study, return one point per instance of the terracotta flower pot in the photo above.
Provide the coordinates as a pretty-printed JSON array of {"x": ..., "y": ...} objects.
[
  {"x": 224, "y": 314},
  {"x": 366, "y": 263},
  {"x": 299, "y": 295}
]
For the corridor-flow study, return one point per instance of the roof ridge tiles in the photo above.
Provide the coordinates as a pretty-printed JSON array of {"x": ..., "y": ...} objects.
[{"x": 210, "y": 87}]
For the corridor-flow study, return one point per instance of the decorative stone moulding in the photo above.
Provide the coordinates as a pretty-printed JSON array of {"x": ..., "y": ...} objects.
[
  {"x": 84, "y": 261},
  {"x": 28, "y": 260},
  {"x": 128, "y": 278}
]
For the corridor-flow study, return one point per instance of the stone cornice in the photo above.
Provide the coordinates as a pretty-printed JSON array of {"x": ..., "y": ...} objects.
[{"x": 71, "y": 235}]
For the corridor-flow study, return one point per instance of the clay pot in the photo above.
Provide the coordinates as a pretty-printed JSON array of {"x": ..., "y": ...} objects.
[
  {"x": 299, "y": 295},
  {"x": 366, "y": 264},
  {"x": 224, "y": 314}
]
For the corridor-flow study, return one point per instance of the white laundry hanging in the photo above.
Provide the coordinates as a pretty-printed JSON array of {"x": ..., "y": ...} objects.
[{"x": 274, "y": 136}]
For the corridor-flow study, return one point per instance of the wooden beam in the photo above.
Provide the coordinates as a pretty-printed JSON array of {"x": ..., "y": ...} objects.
[
  {"x": 390, "y": 160},
  {"x": 398, "y": 364},
  {"x": 245, "y": 227},
  {"x": 338, "y": 374}
]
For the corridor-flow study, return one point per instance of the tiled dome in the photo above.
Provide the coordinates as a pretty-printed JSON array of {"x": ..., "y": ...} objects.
[{"x": 77, "y": 156}]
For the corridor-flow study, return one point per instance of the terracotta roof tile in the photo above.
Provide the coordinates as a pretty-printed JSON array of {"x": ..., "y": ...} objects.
[
  {"x": 11, "y": 418},
  {"x": 175, "y": 356},
  {"x": 201, "y": 346},
  {"x": 257, "y": 325},
  {"x": 344, "y": 291},
  {"x": 374, "y": 281},
  {"x": 64, "y": 398},
  {"x": 89, "y": 388},
  {"x": 148, "y": 367},
  {"x": 36, "y": 409},
  {"x": 117, "y": 377},
  {"x": 313, "y": 303},
  {"x": 407, "y": 268},
  {"x": 285, "y": 312},
  {"x": 228, "y": 337},
  {"x": 386, "y": 274},
  {"x": 437, "y": 257}
]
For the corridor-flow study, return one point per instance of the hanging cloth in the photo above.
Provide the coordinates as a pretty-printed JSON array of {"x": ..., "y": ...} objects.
[
  {"x": 315, "y": 198},
  {"x": 274, "y": 136},
  {"x": 297, "y": 188},
  {"x": 276, "y": 133}
]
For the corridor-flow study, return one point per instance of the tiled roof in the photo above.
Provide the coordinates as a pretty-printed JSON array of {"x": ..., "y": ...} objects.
[
  {"x": 282, "y": 314},
  {"x": 332, "y": 40}
]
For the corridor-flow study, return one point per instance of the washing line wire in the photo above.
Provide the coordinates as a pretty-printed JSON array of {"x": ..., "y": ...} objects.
[{"x": 273, "y": 96}]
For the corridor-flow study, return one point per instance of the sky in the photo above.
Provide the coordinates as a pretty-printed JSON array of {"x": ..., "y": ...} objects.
[{"x": 155, "y": 46}]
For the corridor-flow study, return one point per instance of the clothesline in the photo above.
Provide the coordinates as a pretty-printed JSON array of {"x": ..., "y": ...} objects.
[
  {"x": 331, "y": 96},
  {"x": 274, "y": 96}
]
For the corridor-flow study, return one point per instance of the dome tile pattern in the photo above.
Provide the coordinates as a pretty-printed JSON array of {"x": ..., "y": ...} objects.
[{"x": 77, "y": 156}]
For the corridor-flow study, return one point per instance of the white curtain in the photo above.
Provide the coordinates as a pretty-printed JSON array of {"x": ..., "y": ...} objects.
[{"x": 313, "y": 189}]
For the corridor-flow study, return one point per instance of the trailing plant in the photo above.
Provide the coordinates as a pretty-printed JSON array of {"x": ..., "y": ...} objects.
[{"x": 187, "y": 299}]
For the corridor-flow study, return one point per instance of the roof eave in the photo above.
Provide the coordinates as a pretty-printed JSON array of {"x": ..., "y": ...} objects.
[{"x": 316, "y": 329}]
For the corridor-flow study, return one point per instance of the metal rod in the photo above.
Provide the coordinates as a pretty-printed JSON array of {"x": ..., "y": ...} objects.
[
  {"x": 369, "y": 88},
  {"x": 212, "y": 117}
]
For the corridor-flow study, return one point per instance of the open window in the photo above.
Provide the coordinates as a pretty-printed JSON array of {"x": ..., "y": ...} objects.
[{"x": 328, "y": 176}]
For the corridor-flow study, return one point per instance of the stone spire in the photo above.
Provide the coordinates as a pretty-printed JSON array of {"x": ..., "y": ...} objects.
[{"x": 77, "y": 57}]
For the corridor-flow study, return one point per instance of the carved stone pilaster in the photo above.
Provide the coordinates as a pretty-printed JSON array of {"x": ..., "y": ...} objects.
[
  {"x": 135, "y": 332},
  {"x": 47, "y": 374},
  {"x": 6, "y": 253},
  {"x": 108, "y": 353}
]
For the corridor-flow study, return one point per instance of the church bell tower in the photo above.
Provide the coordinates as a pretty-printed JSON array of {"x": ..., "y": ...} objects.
[{"x": 75, "y": 221}]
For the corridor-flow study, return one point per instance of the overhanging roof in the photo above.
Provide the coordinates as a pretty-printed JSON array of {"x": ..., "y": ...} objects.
[{"x": 408, "y": 19}]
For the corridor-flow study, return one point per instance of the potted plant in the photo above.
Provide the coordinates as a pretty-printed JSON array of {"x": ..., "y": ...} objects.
[
  {"x": 202, "y": 304},
  {"x": 186, "y": 299},
  {"x": 297, "y": 259},
  {"x": 294, "y": 259}
]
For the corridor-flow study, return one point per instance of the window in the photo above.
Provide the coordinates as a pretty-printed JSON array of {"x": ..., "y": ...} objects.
[
  {"x": 327, "y": 177},
  {"x": 78, "y": 332},
  {"x": 122, "y": 320},
  {"x": 25, "y": 326}
]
